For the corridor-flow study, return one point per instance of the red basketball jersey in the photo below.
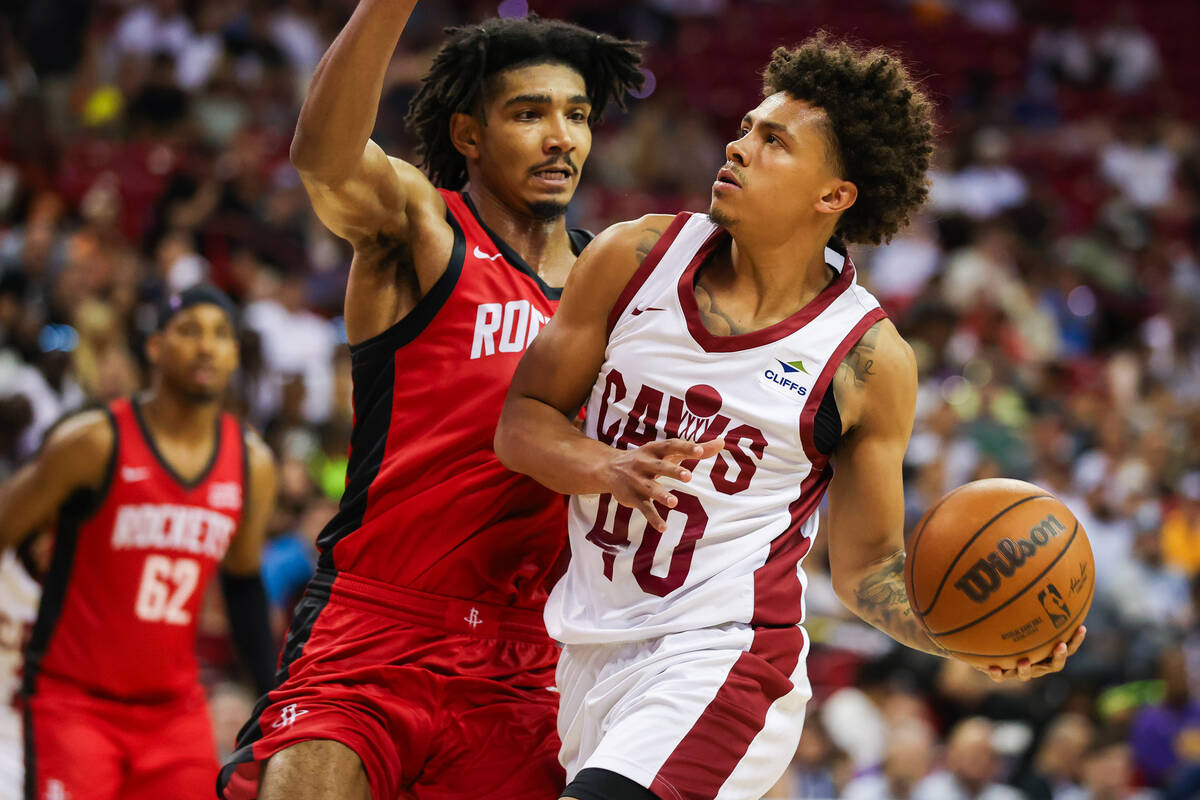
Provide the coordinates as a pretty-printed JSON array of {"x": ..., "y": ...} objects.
[
  {"x": 428, "y": 506},
  {"x": 131, "y": 563}
]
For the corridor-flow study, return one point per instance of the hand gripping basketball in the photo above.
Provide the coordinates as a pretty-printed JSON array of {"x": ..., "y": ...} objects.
[{"x": 632, "y": 475}]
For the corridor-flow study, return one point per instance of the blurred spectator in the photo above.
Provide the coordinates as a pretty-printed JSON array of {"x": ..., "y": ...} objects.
[
  {"x": 908, "y": 759},
  {"x": 1056, "y": 769},
  {"x": 971, "y": 767},
  {"x": 1181, "y": 528},
  {"x": 819, "y": 770},
  {"x": 1108, "y": 772},
  {"x": 1166, "y": 736}
]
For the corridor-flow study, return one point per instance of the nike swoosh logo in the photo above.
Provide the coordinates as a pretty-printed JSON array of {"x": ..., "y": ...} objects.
[
  {"x": 637, "y": 311},
  {"x": 134, "y": 474},
  {"x": 480, "y": 254}
]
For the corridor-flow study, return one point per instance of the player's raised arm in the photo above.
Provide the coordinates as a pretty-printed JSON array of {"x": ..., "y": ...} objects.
[
  {"x": 359, "y": 192},
  {"x": 536, "y": 435},
  {"x": 241, "y": 581},
  {"x": 75, "y": 457}
]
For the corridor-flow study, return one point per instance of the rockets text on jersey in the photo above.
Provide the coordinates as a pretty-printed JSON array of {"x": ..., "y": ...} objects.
[{"x": 734, "y": 540}]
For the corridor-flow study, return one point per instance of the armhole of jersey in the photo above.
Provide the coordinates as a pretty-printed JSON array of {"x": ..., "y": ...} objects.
[
  {"x": 646, "y": 268},
  {"x": 824, "y": 382},
  {"x": 422, "y": 314},
  {"x": 77, "y": 508}
]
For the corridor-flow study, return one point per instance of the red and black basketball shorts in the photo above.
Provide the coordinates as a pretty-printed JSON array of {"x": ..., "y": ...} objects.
[
  {"x": 438, "y": 697},
  {"x": 78, "y": 745}
]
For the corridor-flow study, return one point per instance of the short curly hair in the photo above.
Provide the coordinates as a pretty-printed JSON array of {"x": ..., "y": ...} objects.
[
  {"x": 880, "y": 127},
  {"x": 457, "y": 79}
]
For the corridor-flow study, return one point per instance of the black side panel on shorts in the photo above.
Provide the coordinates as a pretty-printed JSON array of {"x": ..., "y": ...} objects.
[
  {"x": 603, "y": 784},
  {"x": 308, "y": 610}
]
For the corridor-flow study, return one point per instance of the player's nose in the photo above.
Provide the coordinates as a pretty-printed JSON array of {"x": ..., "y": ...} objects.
[
  {"x": 558, "y": 138},
  {"x": 735, "y": 152}
]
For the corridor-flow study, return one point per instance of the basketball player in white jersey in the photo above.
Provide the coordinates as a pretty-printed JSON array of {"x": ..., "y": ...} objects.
[
  {"x": 726, "y": 361},
  {"x": 19, "y": 595}
]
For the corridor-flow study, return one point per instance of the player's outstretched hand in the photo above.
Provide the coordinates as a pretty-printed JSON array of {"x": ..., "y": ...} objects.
[
  {"x": 1025, "y": 671},
  {"x": 633, "y": 474}
]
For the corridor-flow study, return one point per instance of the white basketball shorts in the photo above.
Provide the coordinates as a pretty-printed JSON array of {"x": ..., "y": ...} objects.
[{"x": 710, "y": 713}]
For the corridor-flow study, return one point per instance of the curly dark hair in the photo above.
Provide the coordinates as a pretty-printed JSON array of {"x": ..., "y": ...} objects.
[
  {"x": 457, "y": 79},
  {"x": 880, "y": 127}
]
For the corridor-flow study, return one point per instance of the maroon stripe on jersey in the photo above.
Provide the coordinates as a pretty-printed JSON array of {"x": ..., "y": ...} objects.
[
  {"x": 719, "y": 739},
  {"x": 809, "y": 413},
  {"x": 646, "y": 268},
  {"x": 778, "y": 592},
  {"x": 772, "y": 333}
]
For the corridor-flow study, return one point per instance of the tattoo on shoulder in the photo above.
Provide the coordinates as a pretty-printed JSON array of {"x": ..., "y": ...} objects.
[
  {"x": 646, "y": 241},
  {"x": 859, "y": 363}
]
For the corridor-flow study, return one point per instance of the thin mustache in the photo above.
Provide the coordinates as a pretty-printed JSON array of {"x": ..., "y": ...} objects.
[{"x": 554, "y": 162}]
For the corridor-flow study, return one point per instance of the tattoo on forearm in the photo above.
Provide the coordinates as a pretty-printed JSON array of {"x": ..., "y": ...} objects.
[
  {"x": 650, "y": 237},
  {"x": 883, "y": 602},
  {"x": 859, "y": 363},
  {"x": 714, "y": 318}
]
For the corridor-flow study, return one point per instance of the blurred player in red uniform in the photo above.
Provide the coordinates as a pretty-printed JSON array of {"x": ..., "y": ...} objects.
[
  {"x": 418, "y": 663},
  {"x": 151, "y": 496}
]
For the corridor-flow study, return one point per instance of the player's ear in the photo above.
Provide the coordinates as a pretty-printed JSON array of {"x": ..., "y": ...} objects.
[
  {"x": 154, "y": 347},
  {"x": 464, "y": 134},
  {"x": 837, "y": 197}
]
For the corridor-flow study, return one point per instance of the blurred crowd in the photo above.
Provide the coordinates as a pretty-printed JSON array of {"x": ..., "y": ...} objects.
[{"x": 1051, "y": 291}]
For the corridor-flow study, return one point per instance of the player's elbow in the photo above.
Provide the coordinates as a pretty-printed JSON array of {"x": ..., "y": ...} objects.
[{"x": 505, "y": 442}]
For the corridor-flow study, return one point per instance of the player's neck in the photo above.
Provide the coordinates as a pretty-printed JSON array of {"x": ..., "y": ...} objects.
[
  {"x": 176, "y": 419},
  {"x": 769, "y": 267},
  {"x": 544, "y": 244}
]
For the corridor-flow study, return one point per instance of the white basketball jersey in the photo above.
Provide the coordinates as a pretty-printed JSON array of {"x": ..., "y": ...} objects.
[
  {"x": 19, "y": 595},
  {"x": 733, "y": 545}
]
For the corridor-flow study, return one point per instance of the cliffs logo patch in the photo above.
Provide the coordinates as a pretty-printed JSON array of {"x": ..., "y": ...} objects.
[{"x": 789, "y": 377}]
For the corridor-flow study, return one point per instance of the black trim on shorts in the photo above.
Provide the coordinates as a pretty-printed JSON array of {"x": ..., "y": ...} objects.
[
  {"x": 304, "y": 619},
  {"x": 603, "y": 784}
]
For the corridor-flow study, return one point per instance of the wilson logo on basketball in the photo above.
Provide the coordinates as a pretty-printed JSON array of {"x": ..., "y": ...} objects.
[{"x": 985, "y": 575}]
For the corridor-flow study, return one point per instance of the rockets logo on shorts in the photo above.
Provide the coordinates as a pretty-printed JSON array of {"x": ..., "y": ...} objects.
[{"x": 287, "y": 716}]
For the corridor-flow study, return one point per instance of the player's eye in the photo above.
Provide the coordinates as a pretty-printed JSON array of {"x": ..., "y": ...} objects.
[
  {"x": 527, "y": 115},
  {"x": 578, "y": 116}
]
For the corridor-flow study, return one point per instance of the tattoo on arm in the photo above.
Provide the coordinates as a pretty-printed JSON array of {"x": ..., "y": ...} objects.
[
  {"x": 650, "y": 237},
  {"x": 859, "y": 363},
  {"x": 881, "y": 600},
  {"x": 716, "y": 320}
]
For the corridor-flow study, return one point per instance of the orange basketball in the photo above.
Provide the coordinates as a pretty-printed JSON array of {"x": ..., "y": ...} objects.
[{"x": 999, "y": 570}]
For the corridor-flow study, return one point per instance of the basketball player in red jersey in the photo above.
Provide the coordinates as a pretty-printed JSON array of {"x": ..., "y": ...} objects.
[
  {"x": 149, "y": 497},
  {"x": 418, "y": 663},
  {"x": 728, "y": 360}
]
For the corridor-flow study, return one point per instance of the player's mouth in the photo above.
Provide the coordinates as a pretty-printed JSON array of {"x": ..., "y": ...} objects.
[
  {"x": 554, "y": 176},
  {"x": 726, "y": 180}
]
